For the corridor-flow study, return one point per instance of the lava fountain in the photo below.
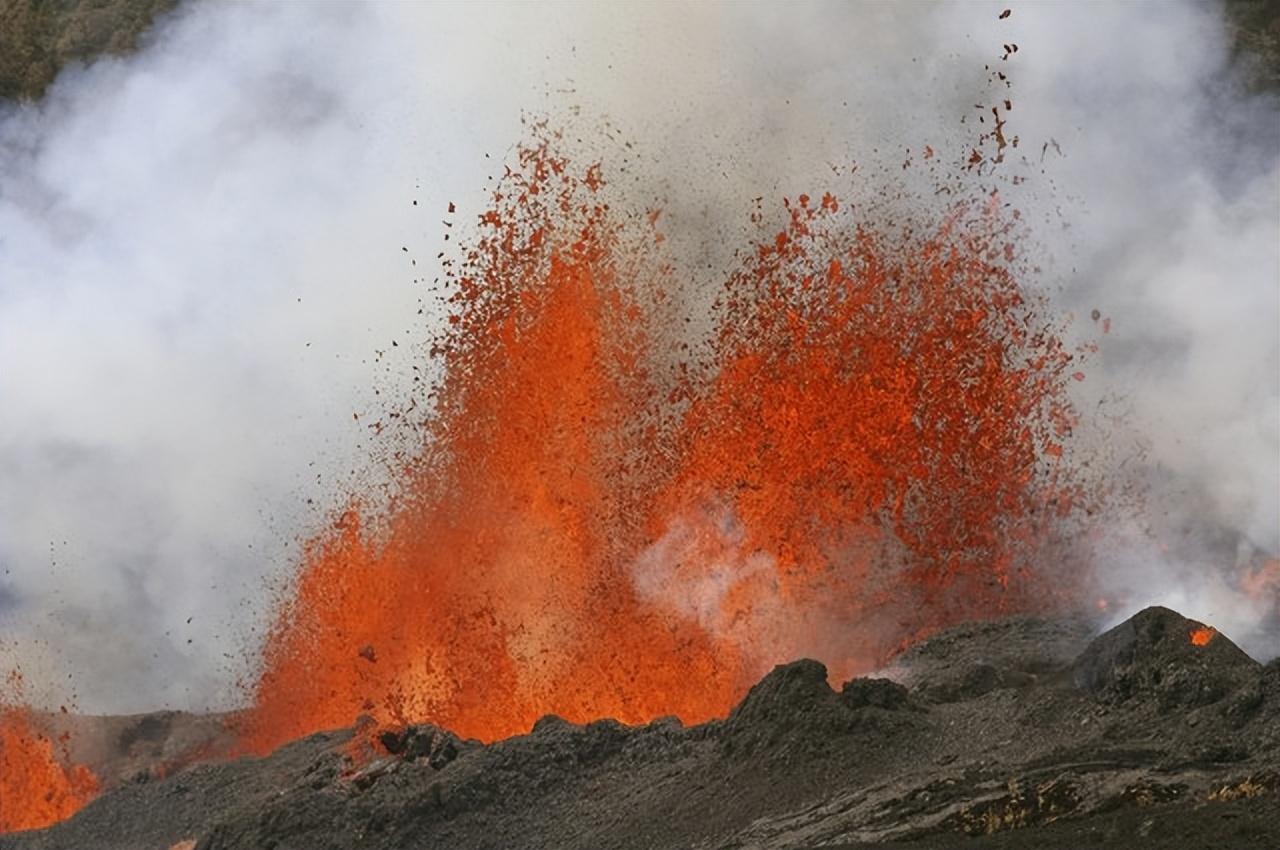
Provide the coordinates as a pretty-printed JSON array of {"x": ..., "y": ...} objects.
[
  {"x": 38, "y": 784},
  {"x": 603, "y": 515}
]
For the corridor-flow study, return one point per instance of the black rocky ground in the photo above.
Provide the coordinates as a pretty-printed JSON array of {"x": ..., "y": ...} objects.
[{"x": 1011, "y": 734}]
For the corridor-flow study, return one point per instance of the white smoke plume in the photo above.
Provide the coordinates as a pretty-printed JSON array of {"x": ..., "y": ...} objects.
[{"x": 200, "y": 257}]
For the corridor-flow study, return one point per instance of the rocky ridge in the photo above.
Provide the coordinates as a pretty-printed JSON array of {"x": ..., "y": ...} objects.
[{"x": 1005, "y": 734}]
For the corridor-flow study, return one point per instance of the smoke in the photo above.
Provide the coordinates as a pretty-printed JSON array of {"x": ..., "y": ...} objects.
[
  {"x": 201, "y": 267},
  {"x": 198, "y": 253},
  {"x": 1173, "y": 175},
  {"x": 732, "y": 591}
]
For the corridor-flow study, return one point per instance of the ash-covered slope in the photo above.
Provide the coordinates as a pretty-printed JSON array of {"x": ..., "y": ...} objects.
[
  {"x": 122, "y": 749},
  {"x": 1021, "y": 733}
]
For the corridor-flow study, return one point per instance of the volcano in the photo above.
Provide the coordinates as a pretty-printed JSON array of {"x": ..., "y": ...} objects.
[
  {"x": 1010, "y": 733},
  {"x": 605, "y": 528},
  {"x": 608, "y": 513},
  {"x": 776, "y": 486}
]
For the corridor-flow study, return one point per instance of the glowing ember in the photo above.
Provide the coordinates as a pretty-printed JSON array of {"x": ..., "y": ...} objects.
[
  {"x": 37, "y": 786},
  {"x": 1202, "y": 635},
  {"x": 868, "y": 450}
]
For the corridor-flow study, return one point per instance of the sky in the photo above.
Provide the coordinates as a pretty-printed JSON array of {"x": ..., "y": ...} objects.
[{"x": 203, "y": 251}]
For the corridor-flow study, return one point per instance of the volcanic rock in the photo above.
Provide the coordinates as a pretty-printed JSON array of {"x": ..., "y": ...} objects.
[
  {"x": 794, "y": 695},
  {"x": 139, "y": 747},
  {"x": 970, "y": 660},
  {"x": 438, "y": 746},
  {"x": 878, "y": 693},
  {"x": 1031, "y": 735},
  {"x": 1152, "y": 654}
]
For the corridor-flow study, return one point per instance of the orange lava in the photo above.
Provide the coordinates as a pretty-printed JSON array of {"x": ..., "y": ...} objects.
[
  {"x": 601, "y": 518},
  {"x": 872, "y": 429},
  {"x": 1202, "y": 635},
  {"x": 37, "y": 787}
]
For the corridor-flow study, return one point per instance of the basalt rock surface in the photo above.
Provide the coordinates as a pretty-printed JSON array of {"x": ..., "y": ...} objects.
[{"x": 1017, "y": 733}]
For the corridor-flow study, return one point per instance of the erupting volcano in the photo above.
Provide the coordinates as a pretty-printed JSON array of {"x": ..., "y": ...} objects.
[
  {"x": 608, "y": 515},
  {"x": 723, "y": 491},
  {"x": 611, "y": 505}
]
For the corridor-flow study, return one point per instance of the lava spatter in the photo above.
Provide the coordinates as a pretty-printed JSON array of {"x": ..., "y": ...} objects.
[
  {"x": 38, "y": 784},
  {"x": 884, "y": 425},
  {"x": 869, "y": 449},
  {"x": 495, "y": 592}
]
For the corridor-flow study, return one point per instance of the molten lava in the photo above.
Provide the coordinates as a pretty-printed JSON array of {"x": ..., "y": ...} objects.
[
  {"x": 1202, "y": 635},
  {"x": 38, "y": 786},
  {"x": 603, "y": 517}
]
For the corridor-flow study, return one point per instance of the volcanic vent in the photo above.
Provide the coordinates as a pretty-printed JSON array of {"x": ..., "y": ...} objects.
[
  {"x": 599, "y": 512},
  {"x": 789, "y": 550},
  {"x": 598, "y": 516},
  {"x": 612, "y": 505}
]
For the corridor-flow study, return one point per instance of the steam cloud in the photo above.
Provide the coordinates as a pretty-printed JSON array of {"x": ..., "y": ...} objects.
[{"x": 200, "y": 256}]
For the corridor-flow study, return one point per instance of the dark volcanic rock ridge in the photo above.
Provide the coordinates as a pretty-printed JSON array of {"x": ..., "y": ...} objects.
[{"x": 1012, "y": 733}]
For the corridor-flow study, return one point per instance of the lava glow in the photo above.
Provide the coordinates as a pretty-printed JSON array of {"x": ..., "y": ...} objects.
[
  {"x": 605, "y": 516},
  {"x": 38, "y": 786},
  {"x": 1202, "y": 635}
]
